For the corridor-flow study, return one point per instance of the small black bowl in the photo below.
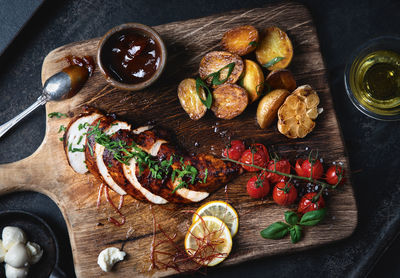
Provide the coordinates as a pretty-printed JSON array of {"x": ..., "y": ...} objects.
[{"x": 37, "y": 230}]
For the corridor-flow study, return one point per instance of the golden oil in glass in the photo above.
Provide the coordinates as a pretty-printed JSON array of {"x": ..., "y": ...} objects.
[{"x": 375, "y": 81}]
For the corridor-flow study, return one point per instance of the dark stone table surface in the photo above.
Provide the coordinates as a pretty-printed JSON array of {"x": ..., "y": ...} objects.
[{"x": 373, "y": 146}]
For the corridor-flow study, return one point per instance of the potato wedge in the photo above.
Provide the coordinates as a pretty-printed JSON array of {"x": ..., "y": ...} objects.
[
  {"x": 275, "y": 43},
  {"x": 281, "y": 79},
  {"x": 253, "y": 80},
  {"x": 296, "y": 115},
  {"x": 268, "y": 107},
  {"x": 240, "y": 40},
  {"x": 215, "y": 61},
  {"x": 229, "y": 101},
  {"x": 189, "y": 99}
]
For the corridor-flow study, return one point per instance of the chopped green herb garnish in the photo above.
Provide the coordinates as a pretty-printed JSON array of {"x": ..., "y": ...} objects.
[
  {"x": 83, "y": 126},
  {"x": 57, "y": 115},
  {"x": 273, "y": 62},
  {"x": 74, "y": 150},
  {"x": 80, "y": 139},
  {"x": 90, "y": 149},
  {"x": 62, "y": 128},
  {"x": 123, "y": 153},
  {"x": 205, "y": 175},
  {"x": 61, "y": 138}
]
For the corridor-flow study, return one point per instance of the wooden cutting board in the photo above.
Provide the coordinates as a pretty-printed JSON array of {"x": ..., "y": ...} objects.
[{"x": 47, "y": 170}]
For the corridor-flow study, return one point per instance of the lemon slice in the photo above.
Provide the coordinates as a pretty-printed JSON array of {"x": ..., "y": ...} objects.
[
  {"x": 208, "y": 241},
  {"x": 221, "y": 210}
]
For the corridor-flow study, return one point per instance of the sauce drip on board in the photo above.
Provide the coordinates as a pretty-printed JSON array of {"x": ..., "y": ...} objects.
[
  {"x": 130, "y": 57},
  {"x": 86, "y": 62}
]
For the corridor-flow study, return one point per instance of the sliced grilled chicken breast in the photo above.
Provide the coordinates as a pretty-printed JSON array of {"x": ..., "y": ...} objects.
[
  {"x": 90, "y": 152},
  {"x": 99, "y": 151},
  {"x": 75, "y": 139},
  {"x": 134, "y": 177}
]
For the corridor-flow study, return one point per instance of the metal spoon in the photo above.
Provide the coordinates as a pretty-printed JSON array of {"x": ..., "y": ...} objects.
[{"x": 62, "y": 85}]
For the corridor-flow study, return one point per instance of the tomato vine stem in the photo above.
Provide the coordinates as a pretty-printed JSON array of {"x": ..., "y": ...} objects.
[{"x": 292, "y": 176}]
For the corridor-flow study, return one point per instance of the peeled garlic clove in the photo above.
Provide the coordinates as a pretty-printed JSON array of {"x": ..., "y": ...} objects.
[
  {"x": 312, "y": 100},
  {"x": 35, "y": 252},
  {"x": 13, "y": 272},
  {"x": 312, "y": 113},
  {"x": 12, "y": 235},
  {"x": 17, "y": 256}
]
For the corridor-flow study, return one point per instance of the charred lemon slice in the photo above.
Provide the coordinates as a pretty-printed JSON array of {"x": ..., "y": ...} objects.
[{"x": 297, "y": 114}]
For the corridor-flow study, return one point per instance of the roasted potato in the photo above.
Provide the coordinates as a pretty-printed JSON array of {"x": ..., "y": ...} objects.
[
  {"x": 275, "y": 43},
  {"x": 296, "y": 115},
  {"x": 190, "y": 100},
  {"x": 269, "y": 105},
  {"x": 253, "y": 80},
  {"x": 240, "y": 40},
  {"x": 215, "y": 61},
  {"x": 229, "y": 101},
  {"x": 281, "y": 79}
]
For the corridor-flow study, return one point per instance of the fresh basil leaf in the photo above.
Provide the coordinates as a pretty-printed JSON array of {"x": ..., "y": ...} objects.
[
  {"x": 208, "y": 101},
  {"x": 273, "y": 62},
  {"x": 312, "y": 218},
  {"x": 291, "y": 217},
  {"x": 276, "y": 230},
  {"x": 295, "y": 233}
]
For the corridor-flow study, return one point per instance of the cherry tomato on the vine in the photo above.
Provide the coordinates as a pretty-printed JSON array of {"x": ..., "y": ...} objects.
[
  {"x": 284, "y": 194},
  {"x": 234, "y": 150},
  {"x": 282, "y": 166},
  {"x": 306, "y": 203},
  {"x": 262, "y": 148},
  {"x": 298, "y": 169},
  {"x": 333, "y": 173},
  {"x": 258, "y": 186},
  {"x": 317, "y": 169},
  {"x": 256, "y": 155}
]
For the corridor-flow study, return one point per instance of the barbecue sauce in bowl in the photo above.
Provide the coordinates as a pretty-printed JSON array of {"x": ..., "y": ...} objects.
[{"x": 130, "y": 57}]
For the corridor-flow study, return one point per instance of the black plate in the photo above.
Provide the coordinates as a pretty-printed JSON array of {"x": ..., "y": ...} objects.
[{"x": 36, "y": 231}]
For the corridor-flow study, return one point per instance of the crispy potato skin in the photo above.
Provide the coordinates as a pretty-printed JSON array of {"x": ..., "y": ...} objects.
[
  {"x": 229, "y": 101},
  {"x": 240, "y": 40},
  {"x": 215, "y": 60},
  {"x": 281, "y": 79},
  {"x": 275, "y": 43},
  {"x": 268, "y": 107},
  {"x": 253, "y": 80},
  {"x": 189, "y": 99}
]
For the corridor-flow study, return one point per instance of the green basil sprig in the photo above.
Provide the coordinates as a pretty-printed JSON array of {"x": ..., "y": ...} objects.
[
  {"x": 273, "y": 62},
  {"x": 292, "y": 226}
]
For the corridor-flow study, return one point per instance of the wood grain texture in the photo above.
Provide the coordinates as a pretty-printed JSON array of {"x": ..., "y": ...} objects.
[{"x": 47, "y": 170}]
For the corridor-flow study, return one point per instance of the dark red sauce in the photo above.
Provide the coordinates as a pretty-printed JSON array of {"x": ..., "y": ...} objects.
[
  {"x": 130, "y": 57},
  {"x": 85, "y": 62}
]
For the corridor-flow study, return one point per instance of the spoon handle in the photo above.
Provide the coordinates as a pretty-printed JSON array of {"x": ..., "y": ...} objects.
[{"x": 8, "y": 125}]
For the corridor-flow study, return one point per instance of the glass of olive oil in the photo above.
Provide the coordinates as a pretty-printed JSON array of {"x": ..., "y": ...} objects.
[{"x": 372, "y": 78}]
